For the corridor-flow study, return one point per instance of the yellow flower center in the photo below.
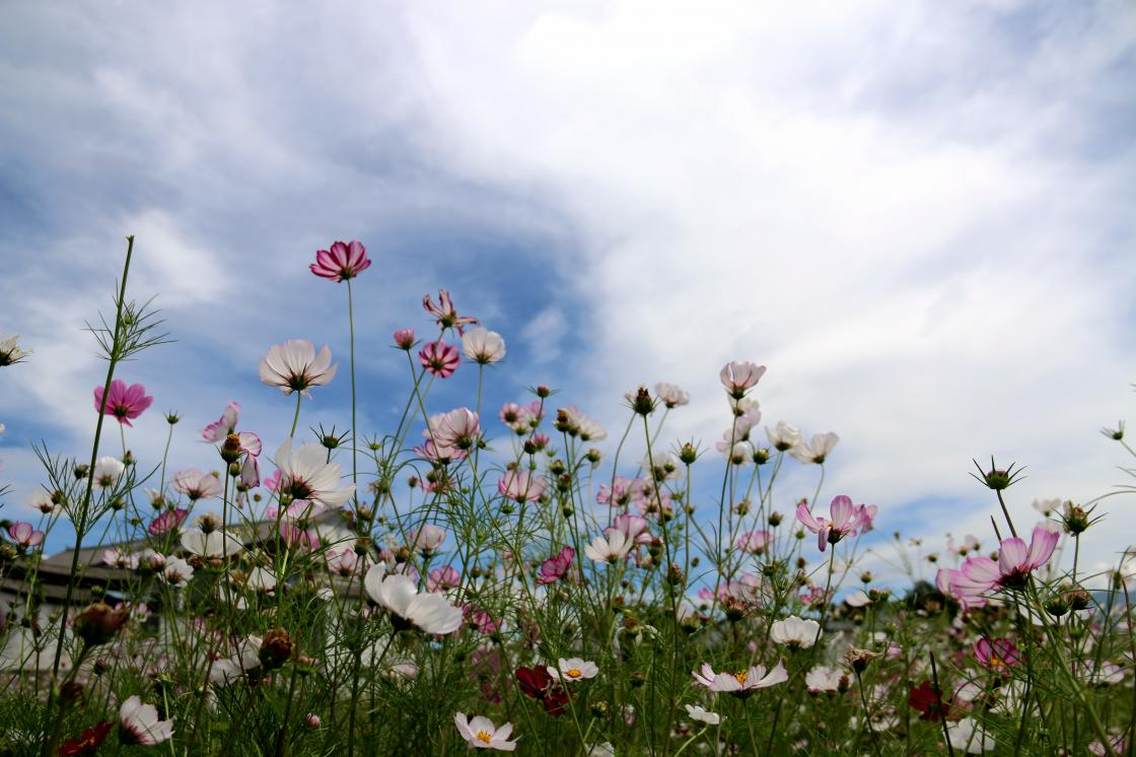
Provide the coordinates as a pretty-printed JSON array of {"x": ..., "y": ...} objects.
[
  {"x": 742, "y": 677},
  {"x": 996, "y": 662},
  {"x": 573, "y": 673},
  {"x": 484, "y": 737}
]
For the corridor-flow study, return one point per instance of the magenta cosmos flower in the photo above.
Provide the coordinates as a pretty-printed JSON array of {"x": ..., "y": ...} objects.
[
  {"x": 345, "y": 260},
  {"x": 439, "y": 359},
  {"x": 445, "y": 314},
  {"x": 997, "y": 654},
  {"x": 979, "y": 575},
  {"x": 556, "y": 567},
  {"x": 124, "y": 402},
  {"x": 846, "y": 519}
]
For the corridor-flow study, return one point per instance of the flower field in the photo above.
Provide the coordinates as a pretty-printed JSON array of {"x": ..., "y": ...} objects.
[{"x": 485, "y": 578}]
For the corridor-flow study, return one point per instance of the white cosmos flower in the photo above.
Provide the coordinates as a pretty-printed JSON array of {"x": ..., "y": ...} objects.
[
  {"x": 261, "y": 579},
  {"x": 969, "y": 736},
  {"x": 703, "y": 715},
  {"x": 825, "y": 679},
  {"x": 783, "y": 436},
  {"x": 816, "y": 450},
  {"x": 796, "y": 632},
  {"x": 742, "y": 683},
  {"x": 212, "y": 544},
  {"x": 671, "y": 395},
  {"x": 140, "y": 723},
  {"x": 483, "y": 346},
  {"x": 229, "y": 669},
  {"x": 295, "y": 367},
  {"x": 573, "y": 669},
  {"x": 306, "y": 474},
  {"x": 858, "y": 598},
  {"x": 177, "y": 572},
  {"x": 1046, "y": 506},
  {"x": 429, "y": 612},
  {"x": 107, "y": 471},
  {"x": 197, "y": 484},
  {"x": 612, "y": 547},
  {"x": 480, "y": 733},
  {"x": 427, "y": 539}
]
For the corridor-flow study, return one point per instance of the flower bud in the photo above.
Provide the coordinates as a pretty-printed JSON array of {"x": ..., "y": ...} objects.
[{"x": 275, "y": 649}]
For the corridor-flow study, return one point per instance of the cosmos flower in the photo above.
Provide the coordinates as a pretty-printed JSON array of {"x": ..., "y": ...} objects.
[
  {"x": 427, "y": 539},
  {"x": 345, "y": 260},
  {"x": 795, "y": 632},
  {"x": 403, "y": 339},
  {"x": 538, "y": 683},
  {"x": 441, "y": 579},
  {"x": 210, "y": 544},
  {"x": 613, "y": 546},
  {"x": 846, "y": 518},
  {"x": 429, "y": 612},
  {"x": 671, "y": 395},
  {"x": 753, "y": 542},
  {"x": 197, "y": 484},
  {"x": 177, "y": 572},
  {"x": 703, "y": 715},
  {"x": 572, "y": 421},
  {"x": 88, "y": 742},
  {"x": 295, "y": 367},
  {"x": 555, "y": 567},
  {"x": 823, "y": 679},
  {"x": 998, "y": 655},
  {"x": 783, "y": 437},
  {"x": 740, "y": 377},
  {"x": 11, "y": 352},
  {"x": 459, "y": 428},
  {"x": 25, "y": 535},
  {"x": 483, "y": 346},
  {"x": 124, "y": 402},
  {"x": 480, "y": 733},
  {"x": 743, "y": 683},
  {"x": 968, "y": 736},
  {"x": 139, "y": 723},
  {"x": 306, "y": 474},
  {"x": 439, "y": 359},
  {"x": 223, "y": 426},
  {"x": 573, "y": 669},
  {"x": 816, "y": 450},
  {"x": 522, "y": 485},
  {"x": 107, "y": 472},
  {"x": 445, "y": 314},
  {"x": 166, "y": 521}
]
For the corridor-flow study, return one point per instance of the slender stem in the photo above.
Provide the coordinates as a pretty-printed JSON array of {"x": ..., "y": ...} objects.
[
  {"x": 296, "y": 419},
  {"x": 354, "y": 428}
]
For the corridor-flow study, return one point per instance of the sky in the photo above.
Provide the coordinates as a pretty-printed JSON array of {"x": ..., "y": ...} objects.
[{"x": 917, "y": 215}]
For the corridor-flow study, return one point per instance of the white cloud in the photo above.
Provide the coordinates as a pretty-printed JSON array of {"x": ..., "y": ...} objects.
[{"x": 543, "y": 334}]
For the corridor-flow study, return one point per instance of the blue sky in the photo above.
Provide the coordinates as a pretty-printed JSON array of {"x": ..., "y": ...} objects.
[{"x": 918, "y": 215}]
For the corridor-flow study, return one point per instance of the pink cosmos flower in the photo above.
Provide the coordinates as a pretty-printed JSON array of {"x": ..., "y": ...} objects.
[
  {"x": 296, "y": 367},
  {"x": 343, "y": 561},
  {"x": 997, "y": 654},
  {"x": 753, "y": 542},
  {"x": 620, "y": 493},
  {"x": 197, "y": 484},
  {"x": 445, "y": 314},
  {"x": 740, "y": 377},
  {"x": 439, "y": 359},
  {"x": 444, "y": 578},
  {"x": 25, "y": 535},
  {"x": 522, "y": 486},
  {"x": 345, "y": 260},
  {"x": 1016, "y": 560},
  {"x": 459, "y": 428},
  {"x": 556, "y": 567},
  {"x": 223, "y": 426},
  {"x": 139, "y": 723},
  {"x": 427, "y": 539},
  {"x": 743, "y": 683},
  {"x": 167, "y": 521},
  {"x": 479, "y": 619},
  {"x": 633, "y": 527},
  {"x": 846, "y": 518},
  {"x": 124, "y": 402},
  {"x": 306, "y": 540},
  {"x": 404, "y": 339}
]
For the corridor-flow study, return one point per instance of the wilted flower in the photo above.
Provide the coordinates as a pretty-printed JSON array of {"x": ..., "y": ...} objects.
[
  {"x": 483, "y": 346},
  {"x": 445, "y": 314},
  {"x": 295, "y": 367},
  {"x": 345, "y": 260},
  {"x": 743, "y": 683},
  {"x": 480, "y": 733},
  {"x": 223, "y": 426},
  {"x": 99, "y": 623},
  {"x": 124, "y": 402},
  {"x": 795, "y": 632},
  {"x": 139, "y": 723},
  {"x": 439, "y": 359},
  {"x": 429, "y": 612}
]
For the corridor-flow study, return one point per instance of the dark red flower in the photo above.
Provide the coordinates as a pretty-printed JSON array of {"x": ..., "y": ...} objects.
[
  {"x": 929, "y": 702},
  {"x": 536, "y": 682},
  {"x": 88, "y": 741}
]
